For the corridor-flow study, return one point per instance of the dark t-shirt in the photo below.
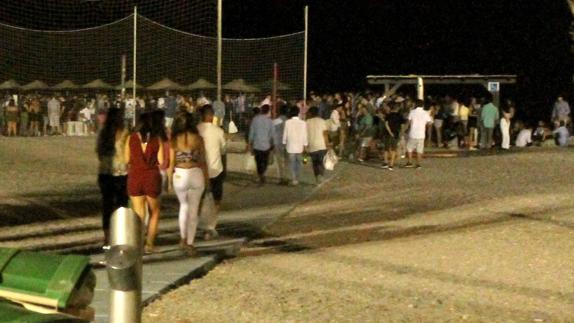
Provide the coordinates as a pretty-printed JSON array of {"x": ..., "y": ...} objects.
[{"x": 395, "y": 121}]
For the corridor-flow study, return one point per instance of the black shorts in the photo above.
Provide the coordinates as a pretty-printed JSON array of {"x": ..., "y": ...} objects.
[
  {"x": 216, "y": 186},
  {"x": 390, "y": 143}
]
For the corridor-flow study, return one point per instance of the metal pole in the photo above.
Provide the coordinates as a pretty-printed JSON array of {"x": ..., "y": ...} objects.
[
  {"x": 420, "y": 88},
  {"x": 135, "y": 61},
  {"x": 124, "y": 266},
  {"x": 305, "y": 55},
  {"x": 219, "y": 46},
  {"x": 274, "y": 91},
  {"x": 124, "y": 63}
]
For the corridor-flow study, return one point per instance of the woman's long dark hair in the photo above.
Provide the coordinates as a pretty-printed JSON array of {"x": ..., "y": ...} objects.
[
  {"x": 145, "y": 127},
  {"x": 157, "y": 125},
  {"x": 184, "y": 124},
  {"x": 107, "y": 137}
]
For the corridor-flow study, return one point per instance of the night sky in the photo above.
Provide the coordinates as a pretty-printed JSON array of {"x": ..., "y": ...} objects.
[{"x": 350, "y": 39}]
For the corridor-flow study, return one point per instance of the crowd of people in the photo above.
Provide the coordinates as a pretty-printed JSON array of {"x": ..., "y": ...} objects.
[
  {"x": 363, "y": 125},
  {"x": 185, "y": 155},
  {"x": 458, "y": 122},
  {"x": 178, "y": 143}
]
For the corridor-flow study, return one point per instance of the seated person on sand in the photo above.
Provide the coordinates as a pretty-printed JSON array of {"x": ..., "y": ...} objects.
[
  {"x": 561, "y": 134},
  {"x": 524, "y": 137},
  {"x": 539, "y": 135}
]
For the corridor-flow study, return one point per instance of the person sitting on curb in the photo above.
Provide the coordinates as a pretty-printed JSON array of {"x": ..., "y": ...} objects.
[{"x": 561, "y": 134}]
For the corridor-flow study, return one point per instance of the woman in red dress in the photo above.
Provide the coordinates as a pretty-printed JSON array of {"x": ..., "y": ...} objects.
[{"x": 144, "y": 155}]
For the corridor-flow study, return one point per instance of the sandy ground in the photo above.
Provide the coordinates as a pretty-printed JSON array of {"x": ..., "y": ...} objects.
[
  {"x": 50, "y": 200},
  {"x": 477, "y": 239}
]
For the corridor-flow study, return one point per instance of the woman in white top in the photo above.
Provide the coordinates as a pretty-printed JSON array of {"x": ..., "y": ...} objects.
[{"x": 505, "y": 129}]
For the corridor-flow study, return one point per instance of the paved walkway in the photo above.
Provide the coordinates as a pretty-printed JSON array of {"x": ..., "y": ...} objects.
[
  {"x": 61, "y": 213},
  {"x": 169, "y": 268}
]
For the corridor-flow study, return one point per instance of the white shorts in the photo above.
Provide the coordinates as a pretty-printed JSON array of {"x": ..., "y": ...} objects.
[
  {"x": 366, "y": 142},
  {"x": 416, "y": 144},
  {"x": 54, "y": 121}
]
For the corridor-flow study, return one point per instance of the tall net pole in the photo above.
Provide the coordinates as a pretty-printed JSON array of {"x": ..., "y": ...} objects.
[
  {"x": 219, "y": 45},
  {"x": 124, "y": 64},
  {"x": 135, "y": 62},
  {"x": 305, "y": 56},
  {"x": 274, "y": 92}
]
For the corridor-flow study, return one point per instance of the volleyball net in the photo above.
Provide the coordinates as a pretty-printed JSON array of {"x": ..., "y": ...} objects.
[{"x": 168, "y": 45}]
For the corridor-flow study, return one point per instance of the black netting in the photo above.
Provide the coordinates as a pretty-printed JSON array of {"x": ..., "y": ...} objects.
[{"x": 83, "y": 55}]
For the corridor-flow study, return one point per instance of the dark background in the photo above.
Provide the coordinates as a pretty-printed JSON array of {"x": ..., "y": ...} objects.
[{"x": 350, "y": 39}]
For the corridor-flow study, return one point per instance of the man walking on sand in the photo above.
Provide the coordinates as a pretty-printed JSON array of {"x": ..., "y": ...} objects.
[
  {"x": 419, "y": 119},
  {"x": 318, "y": 138},
  {"x": 280, "y": 154},
  {"x": 261, "y": 141},
  {"x": 215, "y": 145},
  {"x": 295, "y": 141}
]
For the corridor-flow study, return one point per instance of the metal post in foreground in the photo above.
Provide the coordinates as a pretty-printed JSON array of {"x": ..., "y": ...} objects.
[
  {"x": 135, "y": 63},
  {"x": 219, "y": 46},
  {"x": 274, "y": 91},
  {"x": 124, "y": 266},
  {"x": 124, "y": 64},
  {"x": 305, "y": 54}
]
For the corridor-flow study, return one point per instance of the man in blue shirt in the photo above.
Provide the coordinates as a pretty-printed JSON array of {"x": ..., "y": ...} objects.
[
  {"x": 561, "y": 135},
  {"x": 261, "y": 141}
]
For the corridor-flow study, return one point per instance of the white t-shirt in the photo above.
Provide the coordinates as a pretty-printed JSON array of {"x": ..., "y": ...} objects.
[
  {"x": 419, "y": 118},
  {"x": 455, "y": 109},
  {"x": 161, "y": 103},
  {"x": 86, "y": 113},
  {"x": 524, "y": 138},
  {"x": 334, "y": 121},
  {"x": 215, "y": 144},
  {"x": 316, "y": 127},
  {"x": 295, "y": 135}
]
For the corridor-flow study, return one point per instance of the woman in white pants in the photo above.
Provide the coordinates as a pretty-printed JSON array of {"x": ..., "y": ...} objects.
[
  {"x": 188, "y": 177},
  {"x": 505, "y": 129}
]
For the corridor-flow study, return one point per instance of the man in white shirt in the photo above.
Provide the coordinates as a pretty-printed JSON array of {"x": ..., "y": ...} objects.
[
  {"x": 54, "y": 113},
  {"x": 215, "y": 145},
  {"x": 318, "y": 141},
  {"x": 86, "y": 118},
  {"x": 295, "y": 141},
  {"x": 334, "y": 126},
  {"x": 524, "y": 137},
  {"x": 280, "y": 154},
  {"x": 419, "y": 119},
  {"x": 161, "y": 103}
]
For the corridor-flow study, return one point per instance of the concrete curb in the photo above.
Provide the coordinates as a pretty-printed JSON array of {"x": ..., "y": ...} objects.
[{"x": 196, "y": 273}]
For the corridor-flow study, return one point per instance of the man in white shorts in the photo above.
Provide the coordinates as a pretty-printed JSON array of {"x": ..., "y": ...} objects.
[
  {"x": 419, "y": 119},
  {"x": 54, "y": 113}
]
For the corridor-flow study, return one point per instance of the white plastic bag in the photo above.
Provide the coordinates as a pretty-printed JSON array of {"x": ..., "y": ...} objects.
[
  {"x": 207, "y": 216},
  {"x": 249, "y": 164},
  {"x": 330, "y": 160},
  {"x": 232, "y": 128}
]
